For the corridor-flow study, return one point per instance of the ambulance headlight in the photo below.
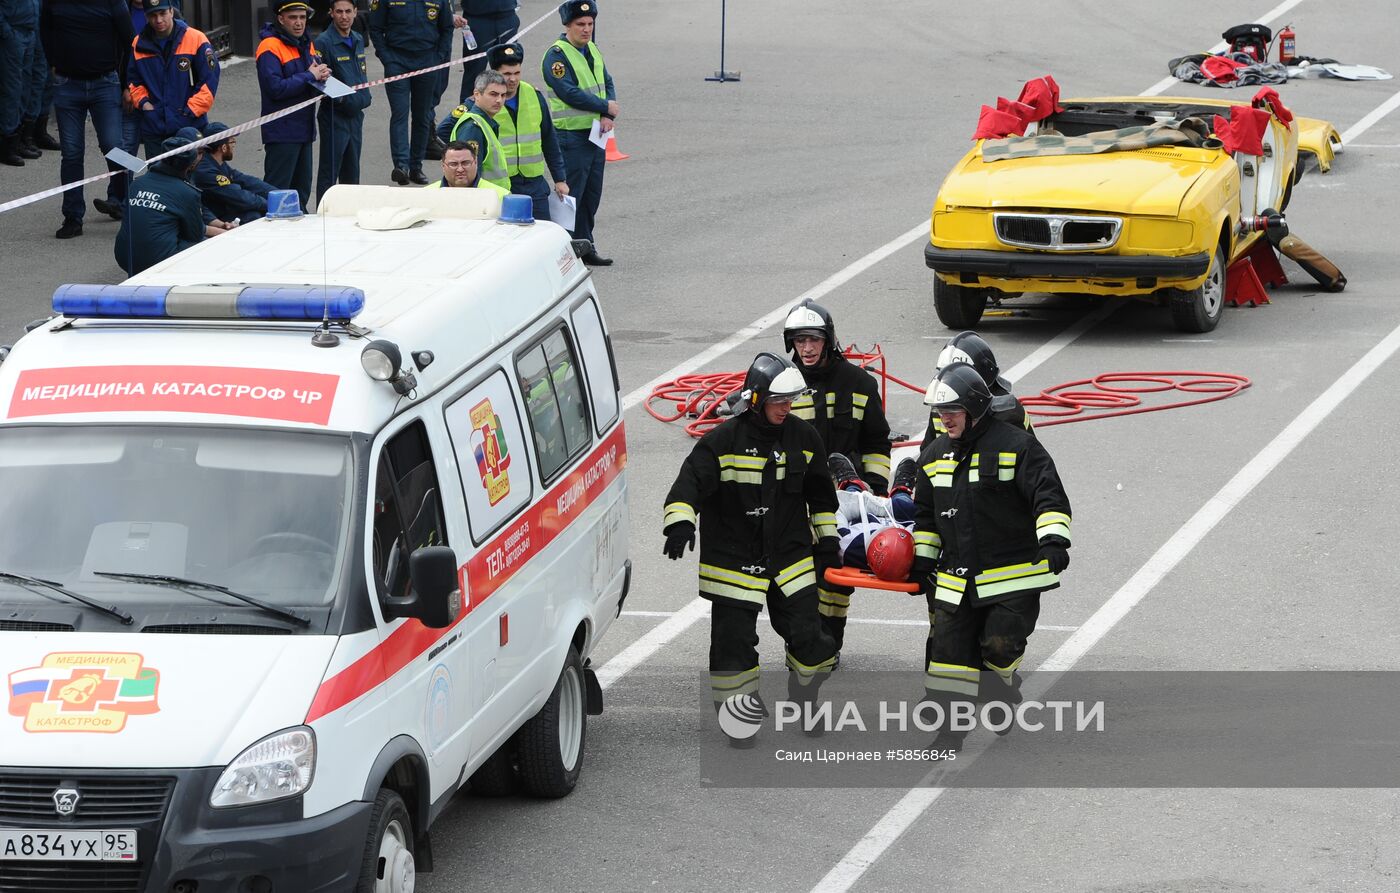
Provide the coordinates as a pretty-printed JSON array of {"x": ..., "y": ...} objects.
[
  {"x": 279, "y": 766},
  {"x": 381, "y": 360}
]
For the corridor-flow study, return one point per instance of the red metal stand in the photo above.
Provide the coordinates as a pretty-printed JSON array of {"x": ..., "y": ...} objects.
[{"x": 1245, "y": 279}]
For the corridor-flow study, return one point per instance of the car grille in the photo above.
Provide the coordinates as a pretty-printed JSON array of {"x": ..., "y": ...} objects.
[
  {"x": 27, "y": 801},
  {"x": 69, "y": 877},
  {"x": 1058, "y": 232},
  {"x": 217, "y": 629},
  {"x": 35, "y": 626}
]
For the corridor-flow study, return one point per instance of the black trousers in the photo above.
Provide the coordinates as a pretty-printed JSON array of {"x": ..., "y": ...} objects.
[
  {"x": 734, "y": 641},
  {"x": 969, "y": 639}
]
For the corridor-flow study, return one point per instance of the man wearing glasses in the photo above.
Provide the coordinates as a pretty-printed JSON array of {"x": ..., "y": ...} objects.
[{"x": 461, "y": 171}]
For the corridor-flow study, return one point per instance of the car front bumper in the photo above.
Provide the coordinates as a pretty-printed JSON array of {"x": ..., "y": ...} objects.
[{"x": 1033, "y": 264}]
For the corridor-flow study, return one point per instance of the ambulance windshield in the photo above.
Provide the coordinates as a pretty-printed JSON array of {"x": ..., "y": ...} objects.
[{"x": 261, "y": 512}]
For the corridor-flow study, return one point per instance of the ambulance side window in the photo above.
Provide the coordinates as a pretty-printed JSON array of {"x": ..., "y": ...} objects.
[
  {"x": 407, "y": 508},
  {"x": 597, "y": 362},
  {"x": 554, "y": 398}
]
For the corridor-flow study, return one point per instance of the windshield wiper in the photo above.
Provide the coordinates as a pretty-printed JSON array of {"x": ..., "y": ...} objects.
[
  {"x": 34, "y": 583},
  {"x": 185, "y": 583}
]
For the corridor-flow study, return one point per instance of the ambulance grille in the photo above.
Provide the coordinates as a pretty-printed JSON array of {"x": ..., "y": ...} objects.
[
  {"x": 70, "y": 877},
  {"x": 35, "y": 626},
  {"x": 27, "y": 800},
  {"x": 216, "y": 629}
]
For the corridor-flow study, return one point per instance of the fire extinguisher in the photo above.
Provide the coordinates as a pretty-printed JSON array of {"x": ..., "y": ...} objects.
[{"x": 1287, "y": 45}]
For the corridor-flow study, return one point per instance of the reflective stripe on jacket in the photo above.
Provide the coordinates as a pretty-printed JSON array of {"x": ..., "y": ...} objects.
[
  {"x": 758, "y": 497},
  {"x": 983, "y": 506},
  {"x": 520, "y": 136}
]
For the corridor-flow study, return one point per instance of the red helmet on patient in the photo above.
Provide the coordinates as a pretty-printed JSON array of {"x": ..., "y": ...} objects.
[{"x": 890, "y": 554}]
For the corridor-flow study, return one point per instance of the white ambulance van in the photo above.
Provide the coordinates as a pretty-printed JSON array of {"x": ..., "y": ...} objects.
[{"x": 304, "y": 528}]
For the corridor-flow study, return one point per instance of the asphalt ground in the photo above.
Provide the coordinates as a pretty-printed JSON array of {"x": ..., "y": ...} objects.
[{"x": 741, "y": 197}]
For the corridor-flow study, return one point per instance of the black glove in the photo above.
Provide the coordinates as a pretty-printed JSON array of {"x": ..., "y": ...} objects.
[
  {"x": 678, "y": 536},
  {"x": 926, "y": 582},
  {"x": 1055, "y": 555},
  {"x": 826, "y": 553}
]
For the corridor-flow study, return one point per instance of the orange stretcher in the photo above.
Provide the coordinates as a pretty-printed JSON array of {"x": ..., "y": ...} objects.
[{"x": 863, "y": 579}]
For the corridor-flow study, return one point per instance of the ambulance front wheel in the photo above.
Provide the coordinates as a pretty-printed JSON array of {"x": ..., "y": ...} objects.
[
  {"x": 388, "y": 861},
  {"x": 958, "y": 306},
  {"x": 551, "y": 742}
]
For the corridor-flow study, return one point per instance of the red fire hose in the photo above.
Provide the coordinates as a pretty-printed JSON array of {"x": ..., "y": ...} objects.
[{"x": 701, "y": 396}]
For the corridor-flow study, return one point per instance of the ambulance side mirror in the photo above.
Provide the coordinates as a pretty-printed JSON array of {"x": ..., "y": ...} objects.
[{"x": 437, "y": 596}]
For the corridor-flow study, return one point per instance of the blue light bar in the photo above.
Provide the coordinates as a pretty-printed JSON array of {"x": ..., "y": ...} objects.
[{"x": 271, "y": 302}]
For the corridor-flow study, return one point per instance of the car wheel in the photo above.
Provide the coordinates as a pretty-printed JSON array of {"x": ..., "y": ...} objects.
[
  {"x": 388, "y": 861},
  {"x": 1199, "y": 309},
  {"x": 551, "y": 742},
  {"x": 497, "y": 777},
  {"x": 958, "y": 306}
]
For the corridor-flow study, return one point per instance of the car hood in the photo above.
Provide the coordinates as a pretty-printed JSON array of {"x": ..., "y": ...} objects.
[
  {"x": 142, "y": 701},
  {"x": 1147, "y": 182}
]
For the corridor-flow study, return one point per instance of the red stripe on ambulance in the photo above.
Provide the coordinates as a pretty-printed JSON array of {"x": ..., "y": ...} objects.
[{"x": 485, "y": 572}]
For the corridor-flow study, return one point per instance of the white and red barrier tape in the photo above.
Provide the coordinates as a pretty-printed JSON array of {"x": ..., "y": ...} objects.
[{"x": 256, "y": 122}]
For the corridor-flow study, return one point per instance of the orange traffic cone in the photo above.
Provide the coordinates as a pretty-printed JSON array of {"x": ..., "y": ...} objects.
[{"x": 612, "y": 153}]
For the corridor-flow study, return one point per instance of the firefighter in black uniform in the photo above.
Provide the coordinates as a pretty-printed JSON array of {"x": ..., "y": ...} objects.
[
  {"x": 968, "y": 347},
  {"x": 845, "y": 407},
  {"x": 991, "y": 532},
  {"x": 759, "y": 487}
]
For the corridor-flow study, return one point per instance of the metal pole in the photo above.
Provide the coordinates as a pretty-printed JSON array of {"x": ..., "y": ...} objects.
[{"x": 722, "y": 76}]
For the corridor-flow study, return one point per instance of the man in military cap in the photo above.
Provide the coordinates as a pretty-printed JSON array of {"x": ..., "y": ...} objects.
[
  {"x": 288, "y": 71},
  {"x": 173, "y": 75},
  {"x": 342, "y": 121},
  {"x": 164, "y": 215},
  {"x": 408, "y": 35},
  {"x": 580, "y": 91}
]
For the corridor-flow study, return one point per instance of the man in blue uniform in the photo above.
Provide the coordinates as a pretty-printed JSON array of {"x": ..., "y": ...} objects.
[
  {"x": 288, "y": 72},
  {"x": 491, "y": 23},
  {"x": 164, "y": 211},
  {"x": 342, "y": 121},
  {"x": 580, "y": 92},
  {"x": 407, "y": 35},
  {"x": 19, "y": 26},
  {"x": 228, "y": 193},
  {"x": 478, "y": 124},
  {"x": 173, "y": 76}
]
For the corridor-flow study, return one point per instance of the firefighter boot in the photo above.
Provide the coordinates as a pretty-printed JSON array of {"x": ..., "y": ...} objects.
[
  {"x": 805, "y": 692},
  {"x": 844, "y": 473},
  {"x": 906, "y": 475}
]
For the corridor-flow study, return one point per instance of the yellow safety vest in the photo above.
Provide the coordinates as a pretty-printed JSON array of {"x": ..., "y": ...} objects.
[
  {"x": 480, "y": 184},
  {"x": 520, "y": 138},
  {"x": 590, "y": 80}
]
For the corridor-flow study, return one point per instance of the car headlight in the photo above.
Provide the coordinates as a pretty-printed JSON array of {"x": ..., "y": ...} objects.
[{"x": 280, "y": 765}]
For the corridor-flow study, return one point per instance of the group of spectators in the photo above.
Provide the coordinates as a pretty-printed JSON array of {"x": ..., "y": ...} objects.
[{"x": 149, "y": 81}]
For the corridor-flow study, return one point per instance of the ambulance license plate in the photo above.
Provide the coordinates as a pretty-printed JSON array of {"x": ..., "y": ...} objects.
[{"x": 67, "y": 846}]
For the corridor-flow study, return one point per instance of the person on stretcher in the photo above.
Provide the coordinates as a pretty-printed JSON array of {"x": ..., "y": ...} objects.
[{"x": 875, "y": 532}]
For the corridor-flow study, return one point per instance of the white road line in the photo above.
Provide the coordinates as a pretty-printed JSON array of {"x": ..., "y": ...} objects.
[
  {"x": 914, "y": 803},
  {"x": 1269, "y": 16},
  {"x": 642, "y": 649},
  {"x": 1365, "y": 123},
  {"x": 636, "y": 653},
  {"x": 757, "y": 327},
  {"x": 648, "y": 613}
]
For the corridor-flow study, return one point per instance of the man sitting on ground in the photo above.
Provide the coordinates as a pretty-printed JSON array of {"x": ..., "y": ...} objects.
[{"x": 228, "y": 193}]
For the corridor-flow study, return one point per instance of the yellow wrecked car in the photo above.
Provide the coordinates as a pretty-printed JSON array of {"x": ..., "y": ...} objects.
[{"x": 1103, "y": 198}]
